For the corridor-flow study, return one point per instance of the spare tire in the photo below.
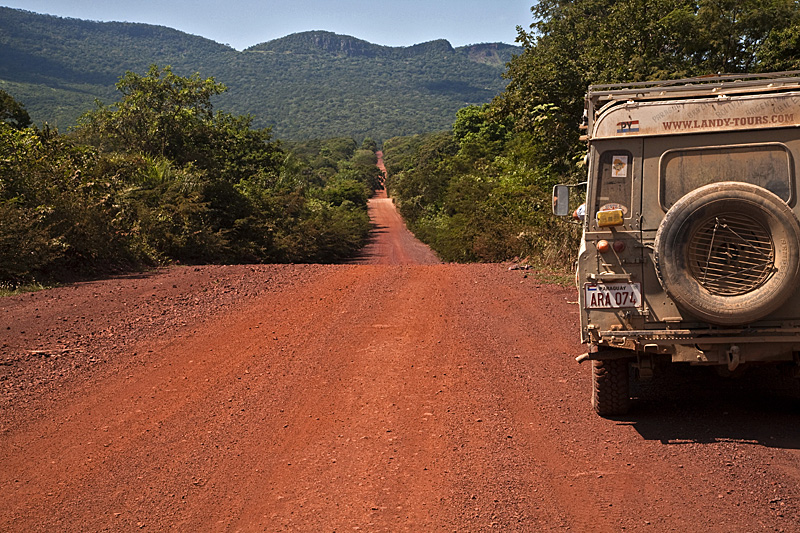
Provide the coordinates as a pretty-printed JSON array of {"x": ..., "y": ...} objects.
[{"x": 729, "y": 253}]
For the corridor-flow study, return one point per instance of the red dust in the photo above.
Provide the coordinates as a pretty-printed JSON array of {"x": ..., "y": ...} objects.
[{"x": 394, "y": 394}]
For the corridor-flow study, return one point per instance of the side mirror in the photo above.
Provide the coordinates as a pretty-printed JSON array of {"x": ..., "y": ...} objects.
[{"x": 561, "y": 200}]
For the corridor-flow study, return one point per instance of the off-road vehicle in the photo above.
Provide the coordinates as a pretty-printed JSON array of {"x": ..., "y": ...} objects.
[{"x": 691, "y": 240}]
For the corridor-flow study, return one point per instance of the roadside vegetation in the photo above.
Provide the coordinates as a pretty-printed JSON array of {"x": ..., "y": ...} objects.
[
  {"x": 162, "y": 177},
  {"x": 13, "y": 289},
  {"x": 481, "y": 192}
]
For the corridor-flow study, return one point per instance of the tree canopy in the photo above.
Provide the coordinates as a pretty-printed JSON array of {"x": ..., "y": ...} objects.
[
  {"x": 12, "y": 112},
  {"x": 160, "y": 114},
  {"x": 482, "y": 193},
  {"x": 160, "y": 176}
]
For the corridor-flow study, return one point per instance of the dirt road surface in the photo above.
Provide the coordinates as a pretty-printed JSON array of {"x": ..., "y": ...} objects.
[
  {"x": 391, "y": 243},
  {"x": 391, "y": 395}
]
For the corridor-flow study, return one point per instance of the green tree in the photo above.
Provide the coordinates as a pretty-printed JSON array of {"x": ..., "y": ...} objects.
[
  {"x": 484, "y": 192},
  {"x": 12, "y": 112},
  {"x": 160, "y": 114},
  {"x": 730, "y": 35},
  {"x": 575, "y": 43},
  {"x": 169, "y": 179},
  {"x": 780, "y": 51},
  {"x": 369, "y": 144},
  {"x": 479, "y": 134}
]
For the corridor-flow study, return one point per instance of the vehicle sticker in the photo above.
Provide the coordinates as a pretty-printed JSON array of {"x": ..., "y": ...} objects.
[
  {"x": 619, "y": 166},
  {"x": 612, "y": 206},
  {"x": 631, "y": 126},
  {"x": 676, "y": 117}
]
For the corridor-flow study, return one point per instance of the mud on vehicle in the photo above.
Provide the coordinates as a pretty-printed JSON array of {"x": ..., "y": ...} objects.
[{"x": 691, "y": 240}]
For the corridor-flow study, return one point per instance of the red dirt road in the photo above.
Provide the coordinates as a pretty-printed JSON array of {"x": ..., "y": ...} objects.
[
  {"x": 387, "y": 396},
  {"x": 391, "y": 243}
]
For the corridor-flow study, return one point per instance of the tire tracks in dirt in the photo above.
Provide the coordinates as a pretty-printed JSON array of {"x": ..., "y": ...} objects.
[{"x": 374, "y": 397}]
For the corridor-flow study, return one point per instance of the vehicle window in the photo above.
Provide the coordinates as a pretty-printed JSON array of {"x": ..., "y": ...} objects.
[
  {"x": 766, "y": 165},
  {"x": 614, "y": 181}
]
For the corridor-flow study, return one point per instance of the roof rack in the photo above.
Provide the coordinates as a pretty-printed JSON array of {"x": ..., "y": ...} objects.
[
  {"x": 602, "y": 97},
  {"x": 704, "y": 84}
]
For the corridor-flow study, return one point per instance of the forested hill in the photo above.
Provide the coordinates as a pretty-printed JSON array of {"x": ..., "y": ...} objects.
[
  {"x": 307, "y": 85},
  {"x": 324, "y": 42}
]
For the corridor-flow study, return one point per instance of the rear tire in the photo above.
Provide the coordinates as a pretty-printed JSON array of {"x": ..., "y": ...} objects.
[{"x": 610, "y": 387}]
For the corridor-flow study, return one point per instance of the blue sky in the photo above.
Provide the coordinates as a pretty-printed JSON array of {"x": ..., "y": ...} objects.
[{"x": 243, "y": 23}]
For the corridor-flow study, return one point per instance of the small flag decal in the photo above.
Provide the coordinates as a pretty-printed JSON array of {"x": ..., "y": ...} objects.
[{"x": 631, "y": 126}]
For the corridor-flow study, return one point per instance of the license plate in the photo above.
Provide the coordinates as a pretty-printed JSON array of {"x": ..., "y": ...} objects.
[{"x": 612, "y": 295}]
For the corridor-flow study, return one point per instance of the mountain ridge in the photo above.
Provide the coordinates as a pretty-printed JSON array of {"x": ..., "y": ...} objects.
[
  {"x": 339, "y": 44},
  {"x": 347, "y": 45},
  {"x": 57, "y": 67}
]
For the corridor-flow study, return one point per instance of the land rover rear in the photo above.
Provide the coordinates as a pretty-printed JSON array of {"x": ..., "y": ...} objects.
[{"x": 691, "y": 241}]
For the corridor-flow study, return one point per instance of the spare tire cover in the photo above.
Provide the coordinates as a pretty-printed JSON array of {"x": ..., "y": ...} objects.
[{"x": 729, "y": 253}]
